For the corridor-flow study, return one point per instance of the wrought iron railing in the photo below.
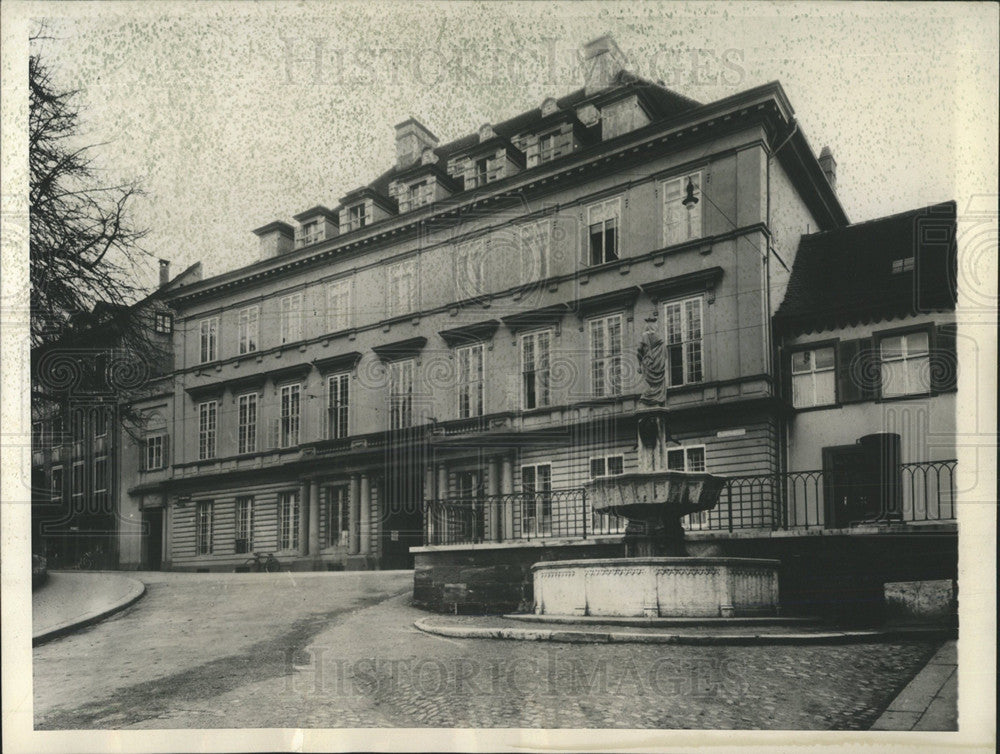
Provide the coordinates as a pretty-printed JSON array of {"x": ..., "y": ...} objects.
[{"x": 795, "y": 500}]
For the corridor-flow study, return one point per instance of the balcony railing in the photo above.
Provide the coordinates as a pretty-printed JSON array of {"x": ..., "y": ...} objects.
[{"x": 796, "y": 500}]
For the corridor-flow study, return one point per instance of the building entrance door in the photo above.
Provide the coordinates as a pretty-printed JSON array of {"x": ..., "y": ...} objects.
[
  {"x": 850, "y": 491},
  {"x": 401, "y": 510},
  {"x": 152, "y": 539}
]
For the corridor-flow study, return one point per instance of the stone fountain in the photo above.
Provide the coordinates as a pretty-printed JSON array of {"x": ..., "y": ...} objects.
[{"x": 657, "y": 578}]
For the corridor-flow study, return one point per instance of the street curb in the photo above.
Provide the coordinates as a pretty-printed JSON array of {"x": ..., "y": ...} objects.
[
  {"x": 138, "y": 591},
  {"x": 622, "y": 637}
]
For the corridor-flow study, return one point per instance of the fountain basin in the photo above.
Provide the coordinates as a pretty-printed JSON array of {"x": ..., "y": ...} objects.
[
  {"x": 663, "y": 587},
  {"x": 643, "y": 495}
]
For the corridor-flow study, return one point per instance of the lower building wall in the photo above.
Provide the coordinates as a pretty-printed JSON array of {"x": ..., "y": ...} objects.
[{"x": 838, "y": 578}]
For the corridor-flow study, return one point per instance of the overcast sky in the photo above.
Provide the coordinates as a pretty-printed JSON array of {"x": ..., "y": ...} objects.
[{"x": 229, "y": 121}]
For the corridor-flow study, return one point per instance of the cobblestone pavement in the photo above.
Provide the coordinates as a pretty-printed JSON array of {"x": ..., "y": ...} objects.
[{"x": 340, "y": 651}]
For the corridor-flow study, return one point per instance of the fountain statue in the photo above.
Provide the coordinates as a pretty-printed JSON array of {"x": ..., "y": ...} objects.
[{"x": 656, "y": 578}]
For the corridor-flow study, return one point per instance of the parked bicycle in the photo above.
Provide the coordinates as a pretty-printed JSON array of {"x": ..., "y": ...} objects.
[{"x": 261, "y": 562}]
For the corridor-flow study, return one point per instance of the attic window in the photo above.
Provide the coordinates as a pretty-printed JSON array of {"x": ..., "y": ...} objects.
[
  {"x": 419, "y": 194},
  {"x": 356, "y": 217},
  {"x": 482, "y": 171},
  {"x": 309, "y": 233},
  {"x": 902, "y": 265}
]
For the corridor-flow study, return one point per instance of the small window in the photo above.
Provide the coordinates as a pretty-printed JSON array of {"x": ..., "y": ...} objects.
[
  {"x": 208, "y": 330},
  {"x": 310, "y": 233},
  {"x": 813, "y": 378},
  {"x": 357, "y": 217},
  {"x": 902, "y": 265},
  {"x": 604, "y": 222},
  {"x": 905, "y": 363},
  {"x": 203, "y": 527},
  {"x": 482, "y": 171},
  {"x": 154, "y": 452},
  {"x": 419, "y": 194},
  {"x": 163, "y": 323}
]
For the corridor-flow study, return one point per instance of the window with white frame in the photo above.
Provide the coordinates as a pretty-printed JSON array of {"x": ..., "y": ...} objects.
[
  {"x": 154, "y": 452},
  {"x": 208, "y": 414},
  {"x": 402, "y": 288},
  {"x": 470, "y": 266},
  {"x": 246, "y": 439},
  {"x": 536, "y": 505},
  {"x": 290, "y": 323},
  {"x": 338, "y": 305},
  {"x": 601, "y": 467},
  {"x": 401, "y": 394},
  {"x": 204, "y": 521},
  {"x": 76, "y": 481},
  {"x": 813, "y": 377},
  {"x": 687, "y": 458},
  {"x": 249, "y": 330},
  {"x": 470, "y": 380},
  {"x": 535, "y": 369},
  {"x": 535, "y": 242},
  {"x": 244, "y": 525},
  {"x": 101, "y": 483},
  {"x": 288, "y": 430},
  {"x": 905, "y": 366},
  {"x": 337, "y": 405},
  {"x": 604, "y": 225},
  {"x": 336, "y": 515},
  {"x": 682, "y": 222},
  {"x": 606, "y": 356},
  {"x": 208, "y": 330},
  {"x": 683, "y": 322},
  {"x": 56, "y": 485},
  {"x": 288, "y": 521}
]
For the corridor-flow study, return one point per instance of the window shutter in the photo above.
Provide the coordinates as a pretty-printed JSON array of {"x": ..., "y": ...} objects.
[
  {"x": 944, "y": 359},
  {"x": 469, "y": 175},
  {"x": 870, "y": 371},
  {"x": 166, "y": 451},
  {"x": 531, "y": 150},
  {"x": 848, "y": 372},
  {"x": 785, "y": 374}
]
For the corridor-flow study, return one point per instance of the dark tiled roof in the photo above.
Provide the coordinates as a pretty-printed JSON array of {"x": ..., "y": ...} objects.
[{"x": 846, "y": 275}]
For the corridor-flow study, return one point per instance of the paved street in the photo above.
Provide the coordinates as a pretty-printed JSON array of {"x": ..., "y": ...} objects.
[{"x": 331, "y": 650}]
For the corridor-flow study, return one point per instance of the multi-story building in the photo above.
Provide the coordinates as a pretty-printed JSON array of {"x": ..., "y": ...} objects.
[{"x": 460, "y": 333}]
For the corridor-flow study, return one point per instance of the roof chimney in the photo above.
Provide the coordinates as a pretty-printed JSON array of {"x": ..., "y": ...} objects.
[
  {"x": 412, "y": 138},
  {"x": 602, "y": 61},
  {"x": 275, "y": 238},
  {"x": 164, "y": 272},
  {"x": 829, "y": 166}
]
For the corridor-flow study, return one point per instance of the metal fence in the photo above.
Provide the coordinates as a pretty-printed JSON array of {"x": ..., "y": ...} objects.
[{"x": 924, "y": 492}]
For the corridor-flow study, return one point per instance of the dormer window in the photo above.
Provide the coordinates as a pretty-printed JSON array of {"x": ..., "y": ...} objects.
[
  {"x": 482, "y": 171},
  {"x": 309, "y": 233},
  {"x": 546, "y": 147},
  {"x": 357, "y": 217},
  {"x": 419, "y": 194}
]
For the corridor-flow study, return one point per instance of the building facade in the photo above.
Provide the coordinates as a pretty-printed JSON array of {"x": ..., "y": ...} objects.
[{"x": 449, "y": 355}]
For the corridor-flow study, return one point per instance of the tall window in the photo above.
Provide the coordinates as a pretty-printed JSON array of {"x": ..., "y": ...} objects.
[
  {"x": 154, "y": 452},
  {"x": 291, "y": 318},
  {"x": 535, "y": 369},
  {"x": 401, "y": 394},
  {"x": 203, "y": 527},
  {"x": 289, "y": 422},
  {"x": 604, "y": 222},
  {"x": 249, "y": 329},
  {"x": 76, "y": 485},
  {"x": 337, "y": 405},
  {"x": 338, "y": 305},
  {"x": 813, "y": 382},
  {"x": 56, "y": 485},
  {"x": 288, "y": 521},
  {"x": 905, "y": 364},
  {"x": 101, "y": 483},
  {"x": 600, "y": 467},
  {"x": 244, "y": 524},
  {"x": 336, "y": 514},
  {"x": 207, "y": 429},
  {"x": 689, "y": 458},
  {"x": 402, "y": 288},
  {"x": 470, "y": 381},
  {"x": 606, "y": 356},
  {"x": 536, "y": 508},
  {"x": 247, "y": 434},
  {"x": 684, "y": 341},
  {"x": 681, "y": 222},
  {"x": 535, "y": 241},
  {"x": 209, "y": 336}
]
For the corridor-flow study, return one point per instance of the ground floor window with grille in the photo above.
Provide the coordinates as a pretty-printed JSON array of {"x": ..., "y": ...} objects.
[
  {"x": 689, "y": 458},
  {"x": 288, "y": 521},
  {"x": 536, "y": 505},
  {"x": 600, "y": 467},
  {"x": 244, "y": 525},
  {"x": 336, "y": 514},
  {"x": 203, "y": 528}
]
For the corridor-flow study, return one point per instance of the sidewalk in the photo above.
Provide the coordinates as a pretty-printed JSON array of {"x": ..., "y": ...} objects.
[
  {"x": 930, "y": 700},
  {"x": 71, "y": 599}
]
